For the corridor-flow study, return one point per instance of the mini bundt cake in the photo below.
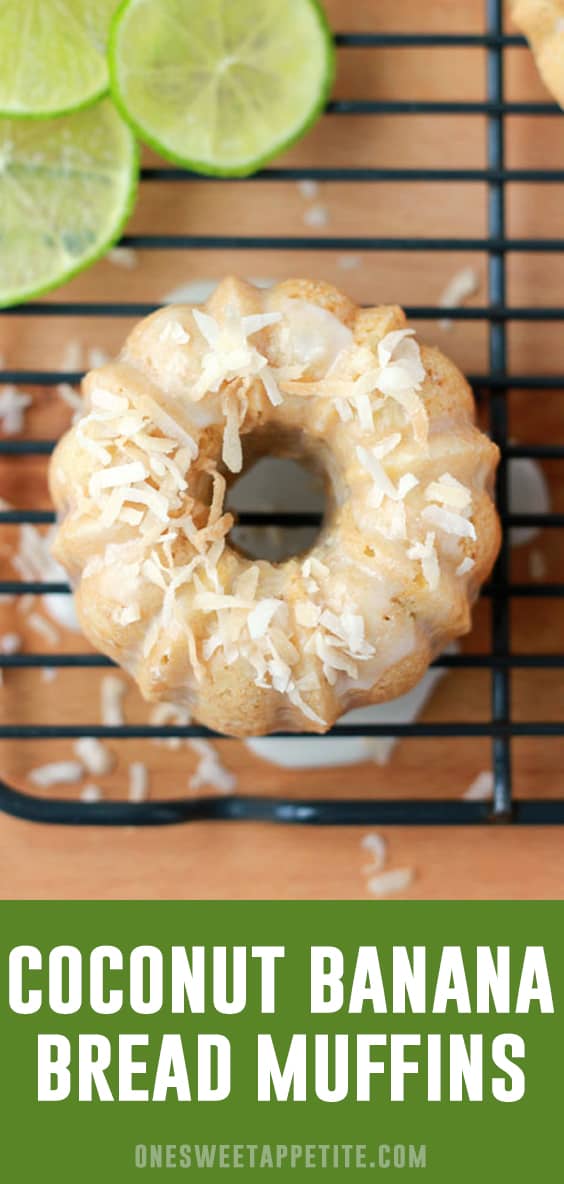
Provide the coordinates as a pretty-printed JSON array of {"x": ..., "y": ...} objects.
[{"x": 409, "y": 534}]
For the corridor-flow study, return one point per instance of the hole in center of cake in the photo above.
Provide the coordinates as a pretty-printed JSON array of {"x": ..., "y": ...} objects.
[{"x": 276, "y": 485}]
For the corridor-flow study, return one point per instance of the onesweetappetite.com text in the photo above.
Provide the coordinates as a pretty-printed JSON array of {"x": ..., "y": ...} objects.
[{"x": 265, "y": 1156}]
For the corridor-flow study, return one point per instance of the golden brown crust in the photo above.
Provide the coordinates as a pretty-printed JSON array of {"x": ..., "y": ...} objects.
[{"x": 320, "y": 293}]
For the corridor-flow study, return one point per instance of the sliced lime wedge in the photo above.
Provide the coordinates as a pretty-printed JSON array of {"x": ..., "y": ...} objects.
[
  {"x": 52, "y": 55},
  {"x": 221, "y": 86},
  {"x": 67, "y": 187}
]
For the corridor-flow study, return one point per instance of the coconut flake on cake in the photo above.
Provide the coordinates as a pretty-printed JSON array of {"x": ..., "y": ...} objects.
[
  {"x": 425, "y": 553},
  {"x": 449, "y": 492},
  {"x": 449, "y": 522},
  {"x": 359, "y": 387},
  {"x": 230, "y": 354}
]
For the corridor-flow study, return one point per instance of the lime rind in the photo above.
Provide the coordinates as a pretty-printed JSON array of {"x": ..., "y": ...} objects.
[
  {"x": 206, "y": 167},
  {"x": 124, "y": 203},
  {"x": 67, "y": 57},
  {"x": 57, "y": 113}
]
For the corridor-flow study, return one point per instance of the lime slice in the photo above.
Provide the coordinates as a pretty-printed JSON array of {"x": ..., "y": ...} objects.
[
  {"x": 221, "y": 86},
  {"x": 66, "y": 188},
  {"x": 52, "y": 55}
]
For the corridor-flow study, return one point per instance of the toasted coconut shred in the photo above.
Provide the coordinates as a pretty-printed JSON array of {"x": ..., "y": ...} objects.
[
  {"x": 91, "y": 793},
  {"x": 211, "y": 772},
  {"x": 112, "y": 694},
  {"x": 13, "y": 406},
  {"x": 138, "y": 782},
  {"x": 94, "y": 755},
  {"x": 144, "y": 460},
  {"x": 10, "y": 643},
  {"x": 481, "y": 789},
  {"x": 463, "y": 284},
  {"x": 391, "y": 883},
  {"x": 381, "y": 881},
  {"x": 56, "y": 773},
  {"x": 377, "y": 848}
]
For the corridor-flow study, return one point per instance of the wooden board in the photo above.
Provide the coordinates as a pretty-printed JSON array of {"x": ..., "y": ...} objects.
[{"x": 235, "y": 861}]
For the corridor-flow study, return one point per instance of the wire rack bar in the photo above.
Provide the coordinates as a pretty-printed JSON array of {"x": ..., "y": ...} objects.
[
  {"x": 340, "y": 173},
  {"x": 242, "y": 809},
  {"x": 312, "y": 812},
  {"x": 438, "y": 107},
  {"x": 191, "y": 731},
  {"x": 229, "y": 242},
  {"x": 425, "y": 40},
  {"x": 500, "y": 684}
]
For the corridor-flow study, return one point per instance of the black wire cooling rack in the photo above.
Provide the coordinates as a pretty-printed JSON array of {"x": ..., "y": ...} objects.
[{"x": 501, "y": 728}]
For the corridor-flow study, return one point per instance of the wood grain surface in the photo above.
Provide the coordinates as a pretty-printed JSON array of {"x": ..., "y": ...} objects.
[{"x": 240, "y": 860}]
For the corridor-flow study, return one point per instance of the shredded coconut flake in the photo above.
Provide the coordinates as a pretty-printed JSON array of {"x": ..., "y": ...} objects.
[
  {"x": 314, "y": 567},
  {"x": 112, "y": 691},
  {"x": 481, "y": 789},
  {"x": 349, "y": 262},
  {"x": 123, "y": 257},
  {"x": 308, "y": 188},
  {"x": 169, "y": 425},
  {"x": 69, "y": 396},
  {"x": 449, "y": 522},
  {"x": 383, "y": 486},
  {"x": 210, "y": 770},
  {"x": 401, "y": 375},
  {"x": 386, "y": 445},
  {"x": 173, "y": 333},
  {"x": 232, "y": 452},
  {"x": 465, "y": 566},
  {"x": 316, "y": 216},
  {"x": 13, "y": 405},
  {"x": 94, "y": 755},
  {"x": 117, "y": 475},
  {"x": 464, "y": 284},
  {"x": 231, "y": 356},
  {"x": 426, "y": 554},
  {"x": 449, "y": 492},
  {"x": 10, "y": 643},
  {"x": 97, "y": 357},
  {"x": 391, "y": 883},
  {"x": 46, "y": 630},
  {"x": 108, "y": 401},
  {"x": 258, "y": 630},
  {"x": 169, "y": 714},
  {"x": 259, "y": 618},
  {"x": 91, "y": 793},
  {"x": 138, "y": 782},
  {"x": 359, "y": 386},
  {"x": 34, "y": 561},
  {"x": 72, "y": 359},
  {"x": 537, "y": 566},
  {"x": 56, "y": 773},
  {"x": 377, "y": 848}
]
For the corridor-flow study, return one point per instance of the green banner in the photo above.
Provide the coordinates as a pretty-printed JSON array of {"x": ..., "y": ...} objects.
[{"x": 342, "y": 1039}]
